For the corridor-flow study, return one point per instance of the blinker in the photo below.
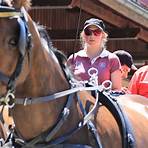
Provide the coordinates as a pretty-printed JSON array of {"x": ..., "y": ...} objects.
[{"x": 9, "y": 12}]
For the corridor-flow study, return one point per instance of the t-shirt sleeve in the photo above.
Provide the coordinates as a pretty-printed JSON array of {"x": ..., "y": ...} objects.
[
  {"x": 133, "y": 84},
  {"x": 114, "y": 63},
  {"x": 71, "y": 62}
]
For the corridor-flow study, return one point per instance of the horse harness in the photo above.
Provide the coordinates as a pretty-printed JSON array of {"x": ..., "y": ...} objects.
[{"x": 102, "y": 97}]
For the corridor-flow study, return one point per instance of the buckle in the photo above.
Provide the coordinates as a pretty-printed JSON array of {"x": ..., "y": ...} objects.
[
  {"x": 93, "y": 73},
  {"x": 27, "y": 101}
]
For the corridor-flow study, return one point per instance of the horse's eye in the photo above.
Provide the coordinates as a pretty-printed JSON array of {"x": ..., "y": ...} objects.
[{"x": 13, "y": 42}]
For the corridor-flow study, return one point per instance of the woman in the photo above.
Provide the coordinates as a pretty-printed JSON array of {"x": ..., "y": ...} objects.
[{"x": 94, "y": 54}]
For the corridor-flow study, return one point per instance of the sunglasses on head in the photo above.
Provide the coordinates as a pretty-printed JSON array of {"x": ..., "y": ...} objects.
[{"x": 88, "y": 31}]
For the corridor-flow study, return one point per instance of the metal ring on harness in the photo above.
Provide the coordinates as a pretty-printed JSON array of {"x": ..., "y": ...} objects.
[
  {"x": 8, "y": 100},
  {"x": 107, "y": 85},
  {"x": 93, "y": 72}
]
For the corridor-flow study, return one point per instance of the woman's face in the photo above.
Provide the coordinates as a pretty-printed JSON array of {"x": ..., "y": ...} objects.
[{"x": 93, "y": 35}]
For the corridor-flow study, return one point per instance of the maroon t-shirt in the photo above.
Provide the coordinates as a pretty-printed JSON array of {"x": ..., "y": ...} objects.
[{"x": 105, "y": 63}]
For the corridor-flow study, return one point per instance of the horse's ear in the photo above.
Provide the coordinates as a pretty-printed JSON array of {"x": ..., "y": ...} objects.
[{"x": 22, "y": 3}]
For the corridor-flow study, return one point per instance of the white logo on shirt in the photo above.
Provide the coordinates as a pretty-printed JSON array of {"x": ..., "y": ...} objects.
[
  {"x": 102, "y": 65},
  {"x": 79, "y": 68}
]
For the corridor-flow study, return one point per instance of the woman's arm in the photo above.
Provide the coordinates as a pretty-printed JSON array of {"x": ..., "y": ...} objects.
[{"x": 116, "y": 79}]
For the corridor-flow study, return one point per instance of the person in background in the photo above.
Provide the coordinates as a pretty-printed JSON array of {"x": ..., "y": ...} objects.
[
  {"x": 95, "y": 55},
  {"x": 139, "y": 82},
  {"x": 126, "y": 61},
  {"x": 127, "y": 65}
]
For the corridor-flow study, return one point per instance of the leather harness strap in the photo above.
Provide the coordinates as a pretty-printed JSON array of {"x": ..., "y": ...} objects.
[{"x": 111, "y": 103}]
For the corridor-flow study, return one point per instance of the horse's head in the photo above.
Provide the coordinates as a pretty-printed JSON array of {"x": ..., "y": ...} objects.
[
  {"x": 14, "y": 40},
  {"x": 18, "y": 33},
  {"x": 28, "y": 75}
]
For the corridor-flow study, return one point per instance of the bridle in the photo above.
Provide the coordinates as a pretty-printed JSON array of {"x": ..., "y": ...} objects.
[{"x": 24, "y": 46}]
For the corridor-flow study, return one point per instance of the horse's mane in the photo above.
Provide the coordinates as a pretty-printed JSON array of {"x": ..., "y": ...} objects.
[
  {"x": 59, "y": 54},
  {"x": 44, "y": 34}
]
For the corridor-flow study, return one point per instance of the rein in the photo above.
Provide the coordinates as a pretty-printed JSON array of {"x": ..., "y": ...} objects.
[{"x": 37, "y": 100}]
